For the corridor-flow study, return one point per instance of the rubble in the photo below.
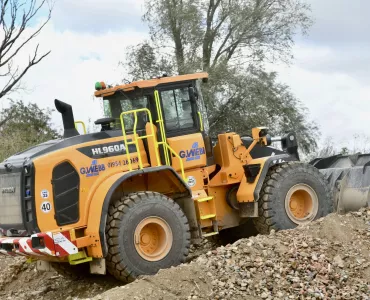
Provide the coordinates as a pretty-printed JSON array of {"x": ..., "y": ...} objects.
[{"x": 327, "y": 259}]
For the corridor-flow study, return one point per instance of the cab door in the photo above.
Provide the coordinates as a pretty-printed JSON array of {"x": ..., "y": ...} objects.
[{"x": 182, "y": 126}]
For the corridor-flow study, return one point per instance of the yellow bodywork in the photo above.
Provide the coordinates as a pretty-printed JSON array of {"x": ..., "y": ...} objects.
[{"x": 209, "y": 184}]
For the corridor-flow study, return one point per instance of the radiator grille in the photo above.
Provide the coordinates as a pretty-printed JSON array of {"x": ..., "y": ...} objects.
[{"x": 10, "y": 199}]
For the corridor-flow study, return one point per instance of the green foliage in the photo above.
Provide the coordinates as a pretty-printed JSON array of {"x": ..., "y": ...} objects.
[
  {"x": 254, "y": 99},
  {"x": 144, "y": 62},
  {"x": 23, "y": 126},
  {"x": 230, "y": 39}
]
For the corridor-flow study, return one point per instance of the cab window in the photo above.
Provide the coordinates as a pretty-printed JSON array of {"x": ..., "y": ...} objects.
[
  {"x": 177, "y": 109},
  {"x": 115, "y": 105}
]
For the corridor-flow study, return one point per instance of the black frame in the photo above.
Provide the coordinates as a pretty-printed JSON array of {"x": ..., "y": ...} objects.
[{"x": 194, "y": 108}]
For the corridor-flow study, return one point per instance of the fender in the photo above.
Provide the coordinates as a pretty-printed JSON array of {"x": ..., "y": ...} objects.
[
  {"x": 255, "y": 174},
  {"x": 101, "y": 200},
  {"x": 270, "y": 162}
]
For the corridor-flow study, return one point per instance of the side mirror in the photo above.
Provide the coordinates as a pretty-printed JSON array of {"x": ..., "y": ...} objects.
[{"x": 192, "y": 95}]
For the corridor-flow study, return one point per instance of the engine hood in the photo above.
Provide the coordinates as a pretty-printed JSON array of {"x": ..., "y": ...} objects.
[{"x": 17, "y": 160}]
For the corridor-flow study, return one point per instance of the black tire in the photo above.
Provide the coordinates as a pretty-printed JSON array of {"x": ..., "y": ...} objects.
[
  {"x": 123, "y": 260},
  {"x": 279, "y": 180},
  {"x": 76, "y": 272}
]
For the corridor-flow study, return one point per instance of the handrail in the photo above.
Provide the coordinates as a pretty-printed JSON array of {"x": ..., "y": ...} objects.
[
  {"x": 201, "y": 121},
  {"x": 164, "y": 139},
  {"x": 83, "y": 125},
  {"x": 181, "y": 162},
  {"x": 136, "y": 137},
  {"x": 161, "y": 128}
]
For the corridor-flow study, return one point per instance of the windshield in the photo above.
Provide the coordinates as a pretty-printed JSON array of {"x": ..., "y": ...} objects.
[{"x": 120, "y": 102}]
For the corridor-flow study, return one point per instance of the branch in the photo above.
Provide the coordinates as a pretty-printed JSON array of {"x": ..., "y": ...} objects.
[
  {"x": 222, "y": 113},
  {"x": 16, "y": 78},
  {"x": 210, "y": 34},
  {"x": 4, "y": 49}
]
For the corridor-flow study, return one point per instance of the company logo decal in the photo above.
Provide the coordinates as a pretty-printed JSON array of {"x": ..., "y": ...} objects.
[
  {"x": 93, "y": 170},
  {"x": 194, "y": 153},
  {"x": 8, "y": 190}
]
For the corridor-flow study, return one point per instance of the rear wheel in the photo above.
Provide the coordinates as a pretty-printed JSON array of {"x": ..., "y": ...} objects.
[
  {"x": 146, "y": 232},
  {"x": 292, "y": 194}
]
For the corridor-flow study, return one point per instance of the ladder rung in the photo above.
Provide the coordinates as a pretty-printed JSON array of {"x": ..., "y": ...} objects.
[
  {"x": 209, "y": 234},
  {"x": 145, "y": 137},
  {"x": 131, "y": 143},
  {"x": 206, "y": 217},
  {"x": 205, "y": 199}
]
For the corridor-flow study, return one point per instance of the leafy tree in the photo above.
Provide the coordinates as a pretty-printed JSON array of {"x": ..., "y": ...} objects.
[
  {"x": 210, "y": 32},
  {"x": 23, "y": 126},
  {"x": 230, "y": 39},
  {"x": 257, "y": 99},
  {"x": 144, "y": 62},
  {"x": 16, "y": 16}
]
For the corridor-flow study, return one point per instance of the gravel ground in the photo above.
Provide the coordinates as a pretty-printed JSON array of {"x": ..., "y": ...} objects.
[{"x": 327, "y": 259}]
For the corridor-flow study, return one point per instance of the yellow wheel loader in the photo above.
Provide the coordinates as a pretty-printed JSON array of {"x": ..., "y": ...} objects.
[{"x": 131, "y": 198}]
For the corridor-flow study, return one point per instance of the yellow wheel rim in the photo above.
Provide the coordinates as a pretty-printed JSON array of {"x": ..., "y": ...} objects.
[
  {"x": 301, "y": 204},
  {"x": 153, "y": 238}
]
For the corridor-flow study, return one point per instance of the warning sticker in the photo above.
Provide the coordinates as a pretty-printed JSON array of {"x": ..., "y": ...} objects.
[
  {"x": 44, "y": 194},
  {"x": 46, "y": 207},
  {"x": 192, "y": 181}
]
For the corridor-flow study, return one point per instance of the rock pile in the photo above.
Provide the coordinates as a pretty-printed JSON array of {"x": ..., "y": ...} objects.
[{"x": 328, "y": 259}]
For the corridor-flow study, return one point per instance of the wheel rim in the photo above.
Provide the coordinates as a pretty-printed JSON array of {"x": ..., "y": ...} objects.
[
  {"x": 153, "y": 238},
  {"x": 301, "y": 204}
]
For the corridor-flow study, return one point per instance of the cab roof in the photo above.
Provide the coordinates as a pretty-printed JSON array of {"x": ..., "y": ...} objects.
[{"x": 142, "y": 84}]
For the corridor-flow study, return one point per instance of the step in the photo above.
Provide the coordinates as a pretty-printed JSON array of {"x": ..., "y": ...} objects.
[
  {"x": 206, "y": 217},
  {"x": 205, "y": 199},
  {"x": 209, "y": 234}
]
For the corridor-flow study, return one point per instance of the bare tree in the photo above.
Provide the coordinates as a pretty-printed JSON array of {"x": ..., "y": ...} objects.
[{"x": 15, "y": 19}]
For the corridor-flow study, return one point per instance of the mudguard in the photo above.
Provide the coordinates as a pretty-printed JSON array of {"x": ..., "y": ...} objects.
[{"x": 102, "y": 198}]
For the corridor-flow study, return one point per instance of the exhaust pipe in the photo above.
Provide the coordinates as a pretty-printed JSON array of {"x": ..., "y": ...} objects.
[{"x": 68, "y": 119}]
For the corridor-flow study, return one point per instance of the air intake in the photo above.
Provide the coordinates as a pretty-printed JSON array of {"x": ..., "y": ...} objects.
[{"x": 68, "y": 119}]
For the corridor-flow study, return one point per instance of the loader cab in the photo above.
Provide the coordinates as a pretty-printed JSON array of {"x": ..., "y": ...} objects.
[{"x": 175, "y": 106}]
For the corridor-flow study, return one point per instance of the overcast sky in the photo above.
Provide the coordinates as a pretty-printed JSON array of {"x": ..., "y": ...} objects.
[{"x": 330, "y": 73}]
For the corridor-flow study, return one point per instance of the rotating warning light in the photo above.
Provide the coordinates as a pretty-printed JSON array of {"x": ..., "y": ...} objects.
[{"x": 100, "y": 86}]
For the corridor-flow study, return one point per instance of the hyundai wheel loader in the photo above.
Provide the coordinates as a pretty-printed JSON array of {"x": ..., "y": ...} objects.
[{"x": 131, "y": 198}]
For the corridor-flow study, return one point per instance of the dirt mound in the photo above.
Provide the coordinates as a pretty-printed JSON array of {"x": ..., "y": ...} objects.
[
  {"x": 329, "y": 258},
  {"x": 19, "y": 279}
]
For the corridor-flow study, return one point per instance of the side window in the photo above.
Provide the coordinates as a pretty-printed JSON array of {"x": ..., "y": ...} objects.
[{"x": 177, "y": 109}]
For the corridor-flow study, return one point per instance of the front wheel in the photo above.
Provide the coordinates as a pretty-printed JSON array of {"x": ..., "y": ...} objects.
[
  {"x": 292, "y": 194},
  {"x": 146, "y": 232}
]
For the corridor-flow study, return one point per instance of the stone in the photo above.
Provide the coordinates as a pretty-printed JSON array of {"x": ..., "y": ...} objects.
[{"x": 338, "y": 261}]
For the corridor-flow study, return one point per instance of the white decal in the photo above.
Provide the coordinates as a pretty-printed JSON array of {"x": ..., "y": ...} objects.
[
  {"x": 109, "y": 149},
  {"x": 46, "y": 207},
  {"x": 278, "y": 161},
  {"x": 63, "y": 242},
  {"x": 44, "y": 194},
  {"x": 191, "y": 181}
]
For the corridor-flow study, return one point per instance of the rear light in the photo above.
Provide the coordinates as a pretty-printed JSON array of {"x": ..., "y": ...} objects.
[{"x": 38, "y": 243}]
